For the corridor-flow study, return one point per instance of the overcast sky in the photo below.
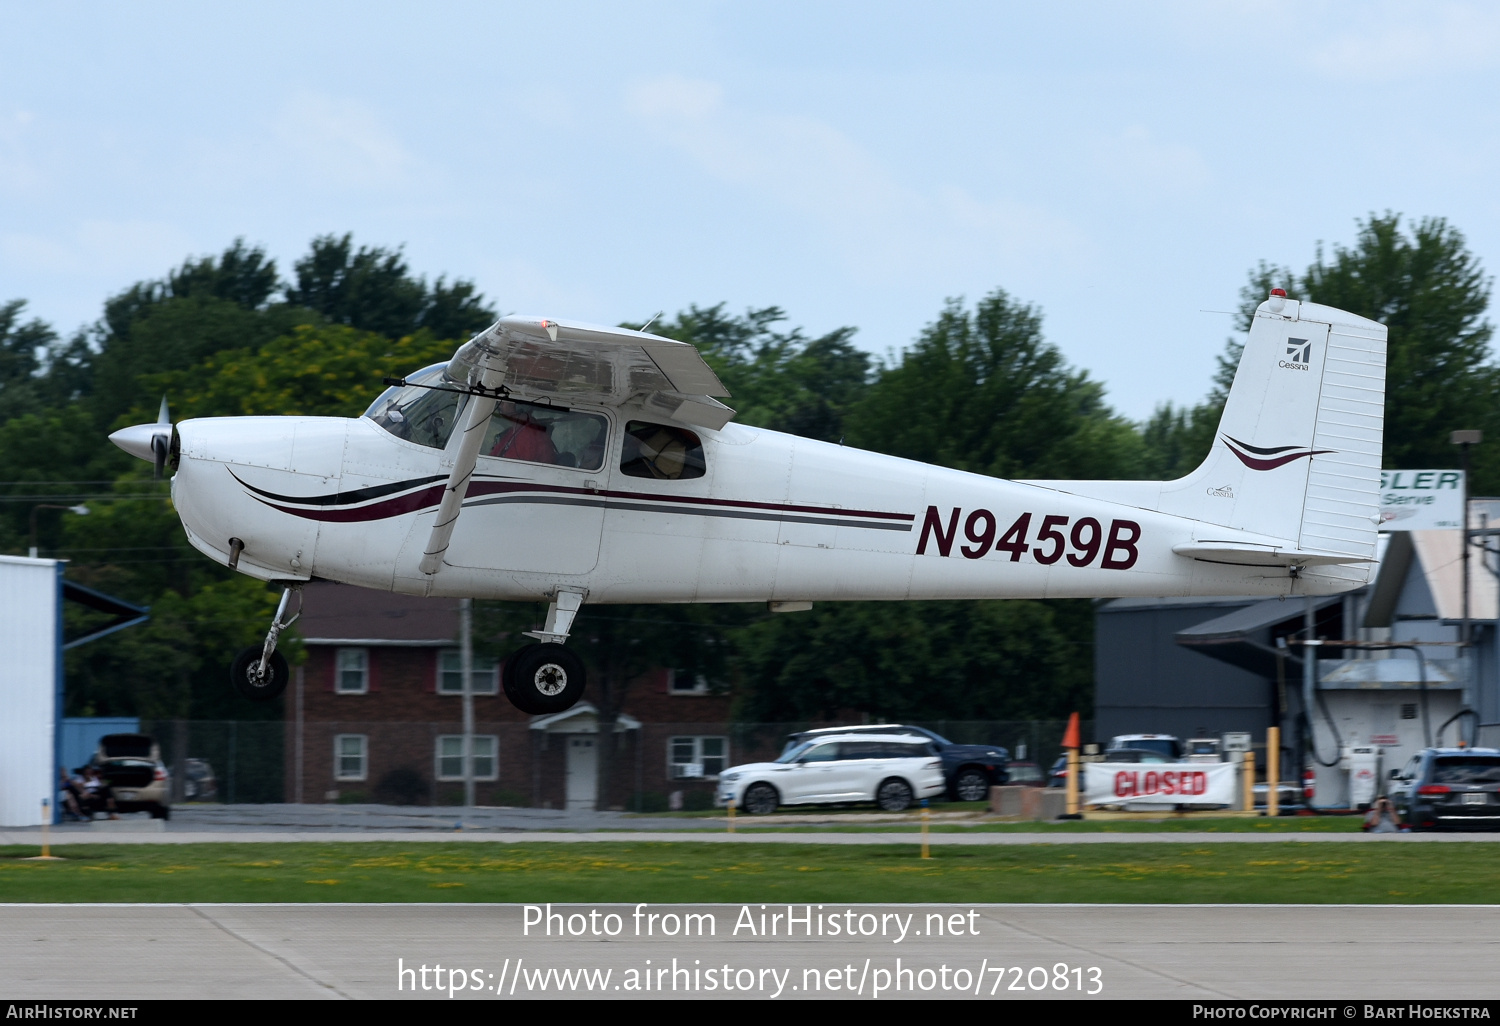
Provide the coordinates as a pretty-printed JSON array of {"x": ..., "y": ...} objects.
[{"x": 1120, "y": 165}]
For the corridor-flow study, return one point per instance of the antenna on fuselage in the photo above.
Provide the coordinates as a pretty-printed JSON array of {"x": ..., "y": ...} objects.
[{"x": 652, "y": 321}]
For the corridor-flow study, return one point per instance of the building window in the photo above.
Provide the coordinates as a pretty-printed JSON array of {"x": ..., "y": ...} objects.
[
  {"x": 351, "y": 671},
  {"x": 689, "y": 758},
  {"x": 450, "y": 757},
  {"x": 681, "y": 682},
  {"x": 485, "y": 674},
  {"x": 350, "y": 756}
]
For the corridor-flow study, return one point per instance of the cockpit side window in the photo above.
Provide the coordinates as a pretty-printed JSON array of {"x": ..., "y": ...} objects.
[
  {"x": 425, "y": 416},
  {"x": 661, "y": 452},
  {"x": 546, "y": 434}
]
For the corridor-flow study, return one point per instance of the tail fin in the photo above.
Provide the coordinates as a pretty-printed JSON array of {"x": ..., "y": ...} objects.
[{"x": 1297, "y": 454}]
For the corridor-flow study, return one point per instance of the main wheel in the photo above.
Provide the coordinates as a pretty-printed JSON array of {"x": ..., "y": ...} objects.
[
  {"x": 761, "y": 799},
  {"x": 893, "y": 795},
  {"x": 972, "y": 785},
  {"x": 542, "y": 679},
  {"x": 266, "y": 686}
]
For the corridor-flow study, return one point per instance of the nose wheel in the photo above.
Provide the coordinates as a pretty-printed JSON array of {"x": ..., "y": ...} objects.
[
  {"x": 548, "y": 678},
  {"x": 260, "y": 673}
]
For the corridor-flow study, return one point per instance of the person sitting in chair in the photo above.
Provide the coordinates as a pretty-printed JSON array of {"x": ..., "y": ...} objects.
[
  {"x": 70, "y": 794},
  {"x": 98, "y": 796}
]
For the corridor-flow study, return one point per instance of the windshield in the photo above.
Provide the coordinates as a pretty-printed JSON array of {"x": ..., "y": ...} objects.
[
  {"x": 1164, "y": 746},
  {"x": 1466, "y": 770},
  {"x": 425, "y": 416},
  {"x": 792, "y": 754}
]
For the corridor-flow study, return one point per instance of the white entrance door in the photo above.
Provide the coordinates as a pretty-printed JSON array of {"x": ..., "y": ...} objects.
[{"x": 583, "y": 771}]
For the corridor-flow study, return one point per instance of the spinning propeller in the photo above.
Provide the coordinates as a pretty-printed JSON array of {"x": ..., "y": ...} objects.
[{"x": 150, "y": 442}]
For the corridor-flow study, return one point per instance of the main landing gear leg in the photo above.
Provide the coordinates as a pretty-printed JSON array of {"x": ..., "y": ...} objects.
[
  {"x": 260, "y": 672},
  {"x": 547, "y": 677}
]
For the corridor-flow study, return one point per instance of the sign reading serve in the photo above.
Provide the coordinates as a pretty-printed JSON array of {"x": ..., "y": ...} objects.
[{"x": 1421, "y": 500}]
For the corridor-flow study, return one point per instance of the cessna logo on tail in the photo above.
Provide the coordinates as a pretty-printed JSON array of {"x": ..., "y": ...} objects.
[
  {"x": 1298, "y": 354},
  {"x": 1256, "y": 458}
]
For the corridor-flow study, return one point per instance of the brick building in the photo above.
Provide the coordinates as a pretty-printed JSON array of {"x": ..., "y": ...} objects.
[{"x": 375, "y": 714}]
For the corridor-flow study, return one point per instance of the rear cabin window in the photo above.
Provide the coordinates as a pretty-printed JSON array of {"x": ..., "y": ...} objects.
[
  {"x": 546, "y": 434},
  {"x": 660, "y": 452},
  {"x": 882, "y": 750},
  {"x": 1466, "y": 769}
]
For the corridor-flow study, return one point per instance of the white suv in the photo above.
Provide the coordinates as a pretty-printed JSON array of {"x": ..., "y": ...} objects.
[{"x": 888, "y": 769}]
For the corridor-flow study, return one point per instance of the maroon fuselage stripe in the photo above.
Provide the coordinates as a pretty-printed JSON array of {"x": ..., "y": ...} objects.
[{"x": 431, "y": 496}]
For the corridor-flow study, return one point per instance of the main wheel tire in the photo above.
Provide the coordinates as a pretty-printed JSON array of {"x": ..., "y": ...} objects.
[
  {"x": 972, "y": 785},
  {"x": 265, "y": 688},
  {"x": 893, "y": 795},
  {"x": 543, "y": 679},
  {"x": 760, "y": 799}
]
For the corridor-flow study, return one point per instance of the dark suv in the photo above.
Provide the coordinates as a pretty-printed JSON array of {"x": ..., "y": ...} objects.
[
  {"x": 1449, "y": 788},
  {"x": 969, "y": 770}
]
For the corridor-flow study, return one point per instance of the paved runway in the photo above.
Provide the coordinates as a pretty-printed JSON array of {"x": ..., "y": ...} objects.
[{"x": 1348, "y": 953}]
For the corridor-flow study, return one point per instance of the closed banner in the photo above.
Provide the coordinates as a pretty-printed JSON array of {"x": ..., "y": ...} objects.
[{"x": 1123, "y": 783}]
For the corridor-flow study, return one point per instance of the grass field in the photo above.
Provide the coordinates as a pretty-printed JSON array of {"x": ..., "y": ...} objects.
[
  {"x": 1326, "y": 872},
  {"x": 1186, "y": 824}
]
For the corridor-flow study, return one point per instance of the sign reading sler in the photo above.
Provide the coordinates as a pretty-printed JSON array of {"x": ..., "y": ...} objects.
[{"x": 1421, "y": 500}]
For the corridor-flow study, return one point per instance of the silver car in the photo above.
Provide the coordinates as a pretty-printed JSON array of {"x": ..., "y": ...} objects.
[{"x": 131, "y": 765}]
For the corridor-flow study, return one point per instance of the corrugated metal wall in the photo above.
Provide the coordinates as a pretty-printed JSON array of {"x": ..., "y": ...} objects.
[{"x": 29, "y": 655}]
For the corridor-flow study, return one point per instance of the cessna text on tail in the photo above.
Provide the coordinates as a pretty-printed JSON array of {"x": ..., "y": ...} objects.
[{"x": 567, "y": 463}]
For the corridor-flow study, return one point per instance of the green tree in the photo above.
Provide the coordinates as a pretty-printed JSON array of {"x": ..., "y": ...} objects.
[
  {"x": 983, "y": 391},
  {"x": 918, "y": 661},
  {"x": 1429, "y": 290},
  {"x": 372, "y": 288},
  {"x": 780, "y": 379}
]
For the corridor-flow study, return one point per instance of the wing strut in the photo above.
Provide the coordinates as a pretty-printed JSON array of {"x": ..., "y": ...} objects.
[{"x": 476, "y": 419}]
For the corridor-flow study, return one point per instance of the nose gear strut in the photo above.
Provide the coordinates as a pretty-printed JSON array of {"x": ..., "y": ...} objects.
[{"x": 261, "y": 673}]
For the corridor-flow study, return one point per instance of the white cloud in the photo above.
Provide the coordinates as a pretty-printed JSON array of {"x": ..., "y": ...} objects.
[
  {"x": 89, "y": 247},
  {"x": 17, "y": 172},
  {"x": 341, "y": 143},
  {"x": 1137, "y": 159},
  {"x": 883, "y": 227},
  {"x": 1404, "y": 42}
]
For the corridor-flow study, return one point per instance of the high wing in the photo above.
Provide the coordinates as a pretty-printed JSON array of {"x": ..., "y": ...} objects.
[{"x": 538, "y": 357}]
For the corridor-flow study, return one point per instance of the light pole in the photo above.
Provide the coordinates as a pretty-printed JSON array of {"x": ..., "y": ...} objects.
[
  {"x": 1464, "y": 439},
  {"x": 80, "y": 509},
  {"x": 466, "y": 667}
]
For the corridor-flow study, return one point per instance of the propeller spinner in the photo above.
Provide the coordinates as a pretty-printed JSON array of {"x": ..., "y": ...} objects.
[{"x": 149, "y": 442}]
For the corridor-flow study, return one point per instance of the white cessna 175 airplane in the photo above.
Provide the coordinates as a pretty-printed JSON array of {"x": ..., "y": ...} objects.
[{"x": 568, "y": 463}]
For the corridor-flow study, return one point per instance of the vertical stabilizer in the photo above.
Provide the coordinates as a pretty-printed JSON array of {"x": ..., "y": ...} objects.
[
  {"x": 1298, "y": 450},
  {"x": 1297, "y": 453}
]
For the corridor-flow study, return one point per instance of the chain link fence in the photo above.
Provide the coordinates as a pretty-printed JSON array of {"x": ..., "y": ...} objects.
[{"x": 643, "y": 767}]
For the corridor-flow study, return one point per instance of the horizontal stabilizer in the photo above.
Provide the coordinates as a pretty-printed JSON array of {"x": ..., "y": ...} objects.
[{"x": 1263, "y": 554}]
